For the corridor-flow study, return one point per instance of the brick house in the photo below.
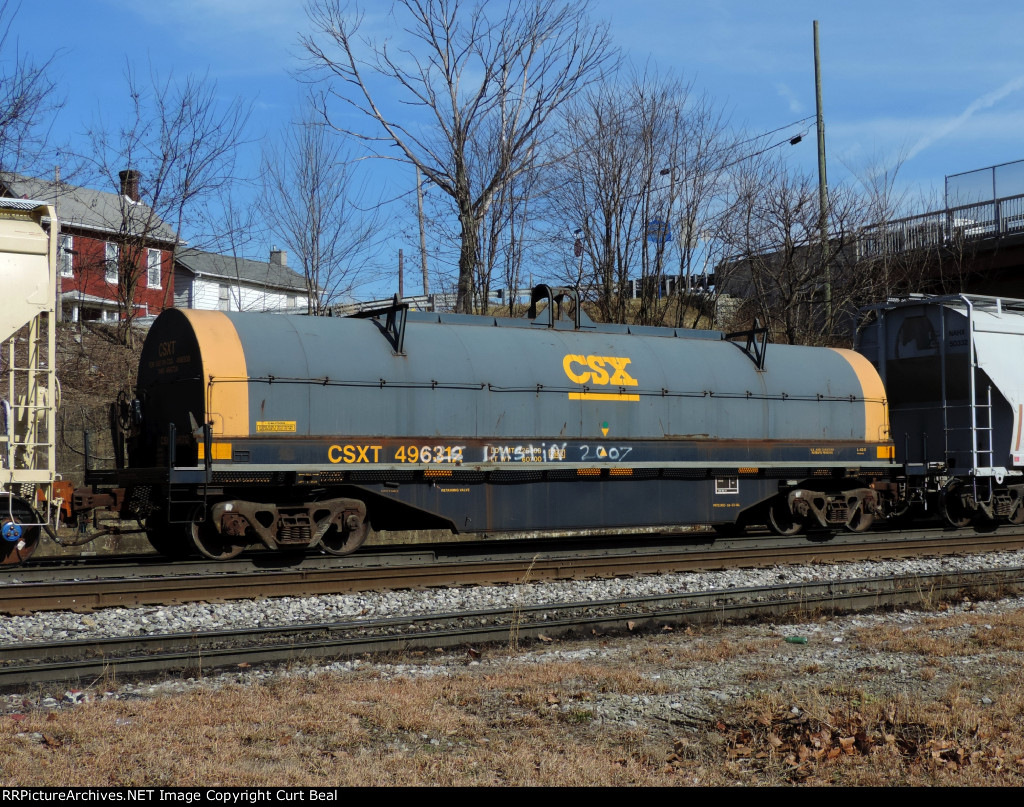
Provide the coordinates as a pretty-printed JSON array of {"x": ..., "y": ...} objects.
[{"x": 98, "y": 231}]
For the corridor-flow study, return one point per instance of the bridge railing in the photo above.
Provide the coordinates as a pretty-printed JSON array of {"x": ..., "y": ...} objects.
[{"x": 944, "y": 228}]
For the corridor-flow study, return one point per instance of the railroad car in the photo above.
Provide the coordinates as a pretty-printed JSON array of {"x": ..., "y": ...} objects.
[
  {"x": 951, "y": 367},
  {"x": 299, "y": 432},
  {"x": 28, "y": 397}
]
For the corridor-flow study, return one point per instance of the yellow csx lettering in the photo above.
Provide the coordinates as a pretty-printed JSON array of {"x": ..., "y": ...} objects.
[
  {"x": 598, "y": 370},
  {"x": 350, "y": 454}
]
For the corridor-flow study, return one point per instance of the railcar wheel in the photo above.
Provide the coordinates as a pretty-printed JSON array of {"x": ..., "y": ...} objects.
[
  {"x": 170, "y": 540},
  {"x": 17, "y": 542},
  {"x": 210, "y": 543},
  {"x": 781, "y": 520},
  {"x": 954, "y": 512},
  {"x": 860, "y": 521},
  {"x": 345, "y": 542}
]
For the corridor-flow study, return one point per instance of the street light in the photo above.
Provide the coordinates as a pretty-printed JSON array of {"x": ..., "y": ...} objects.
[{"x": 577, "y": 250}]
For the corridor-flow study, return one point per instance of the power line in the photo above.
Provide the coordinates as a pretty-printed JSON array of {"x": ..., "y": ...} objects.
[
  {"x": 790, "y": 140},
  {"x": 773, "y": 131}
]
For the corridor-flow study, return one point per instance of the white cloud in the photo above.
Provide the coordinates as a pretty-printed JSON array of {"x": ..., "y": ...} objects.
[
  {"x": 989, "y": 99},
  {"x": 791, "y": 98}
]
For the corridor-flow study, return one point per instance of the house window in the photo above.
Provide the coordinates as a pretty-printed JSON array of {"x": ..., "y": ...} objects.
[
  {"x": 224, "y": 304},
  {"x": 153, "y": 267},
  {"x": 64, "y": 257},
  {"x": 110, "y": 258}
]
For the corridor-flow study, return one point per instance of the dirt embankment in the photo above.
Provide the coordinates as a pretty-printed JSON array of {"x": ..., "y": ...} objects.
[{"x": 93, "y": 366}]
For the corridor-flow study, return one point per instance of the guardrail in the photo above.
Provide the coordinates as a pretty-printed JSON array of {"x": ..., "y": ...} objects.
[{"x": 944, "y": 228}]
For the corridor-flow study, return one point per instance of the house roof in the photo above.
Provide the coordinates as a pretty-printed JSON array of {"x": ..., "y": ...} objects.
[
  {"x": 85, "y": 208},
  {"x": 210, "y": 264}
]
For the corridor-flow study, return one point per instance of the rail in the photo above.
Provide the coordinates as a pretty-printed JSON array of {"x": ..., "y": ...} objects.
[
  {"x": 93, "y": 659},
  {"x": 473, "y": 563}
]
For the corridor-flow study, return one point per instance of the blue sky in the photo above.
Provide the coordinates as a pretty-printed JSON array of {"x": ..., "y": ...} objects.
[{"x": 940, "y": 82}]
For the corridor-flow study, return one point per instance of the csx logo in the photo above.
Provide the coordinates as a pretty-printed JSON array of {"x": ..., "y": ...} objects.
[{"x": 598, "y": 370}]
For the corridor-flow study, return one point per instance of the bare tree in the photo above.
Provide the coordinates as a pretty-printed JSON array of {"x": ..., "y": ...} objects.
[
  {"x": 640, "y": 179},
  {"x": 28, "y": 97},
  {"x": 900, "y": 251},
  {"x": 179, "y": 145},
  {"x": 508, "y": 233},
  {"x": 234, "y": 228},
  {"x": 700, "y": 147},
  {"x": 602, "y": 189},
  {"x": 466, "y": 79},
  {"x": 311, "y": 204},
  {"x": 779, "y": 263}
]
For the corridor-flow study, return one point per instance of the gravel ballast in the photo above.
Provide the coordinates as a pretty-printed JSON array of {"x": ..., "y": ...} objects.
[{"x": 241, "y": 614}]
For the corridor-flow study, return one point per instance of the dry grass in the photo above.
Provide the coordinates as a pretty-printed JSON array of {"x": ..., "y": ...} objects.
[
  {"x": 701, "y": 650},
  {"x": 938, "y": 702},
  {"x": 940, "y": 637},
  {"x": 329, "y": 731}
]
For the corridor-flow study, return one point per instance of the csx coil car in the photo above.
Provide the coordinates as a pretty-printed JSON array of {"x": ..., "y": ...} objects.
[{"x": 302, "y": 432}]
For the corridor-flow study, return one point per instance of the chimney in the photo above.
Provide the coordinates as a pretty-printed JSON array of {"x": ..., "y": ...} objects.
[
  {"x": 130, "y": 183},
  {"x": 278, "y": 257}
]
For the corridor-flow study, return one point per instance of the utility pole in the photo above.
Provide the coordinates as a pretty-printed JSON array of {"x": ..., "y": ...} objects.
[
  {"x": 401, "y": 276},
  {"x": 423, "y": 233},
  {"x": 822, "y": 185}
]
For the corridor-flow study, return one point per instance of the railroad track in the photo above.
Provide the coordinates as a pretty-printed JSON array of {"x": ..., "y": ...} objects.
[
  {"x": 93, "y": 661},
  {"x": 488, "y": 563}
]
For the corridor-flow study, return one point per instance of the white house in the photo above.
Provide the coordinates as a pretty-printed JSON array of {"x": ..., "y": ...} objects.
[{"x": 214, "y": 282}]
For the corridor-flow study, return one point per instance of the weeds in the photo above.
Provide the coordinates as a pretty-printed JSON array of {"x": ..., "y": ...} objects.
[{"x": 513, "y": 638}]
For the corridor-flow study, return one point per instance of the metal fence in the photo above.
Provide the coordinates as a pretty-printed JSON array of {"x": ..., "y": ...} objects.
[{"x": 944, "y": 228}]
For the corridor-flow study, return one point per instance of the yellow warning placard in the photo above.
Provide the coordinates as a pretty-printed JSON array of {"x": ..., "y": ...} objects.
[{"x": 275, "y": 425}]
